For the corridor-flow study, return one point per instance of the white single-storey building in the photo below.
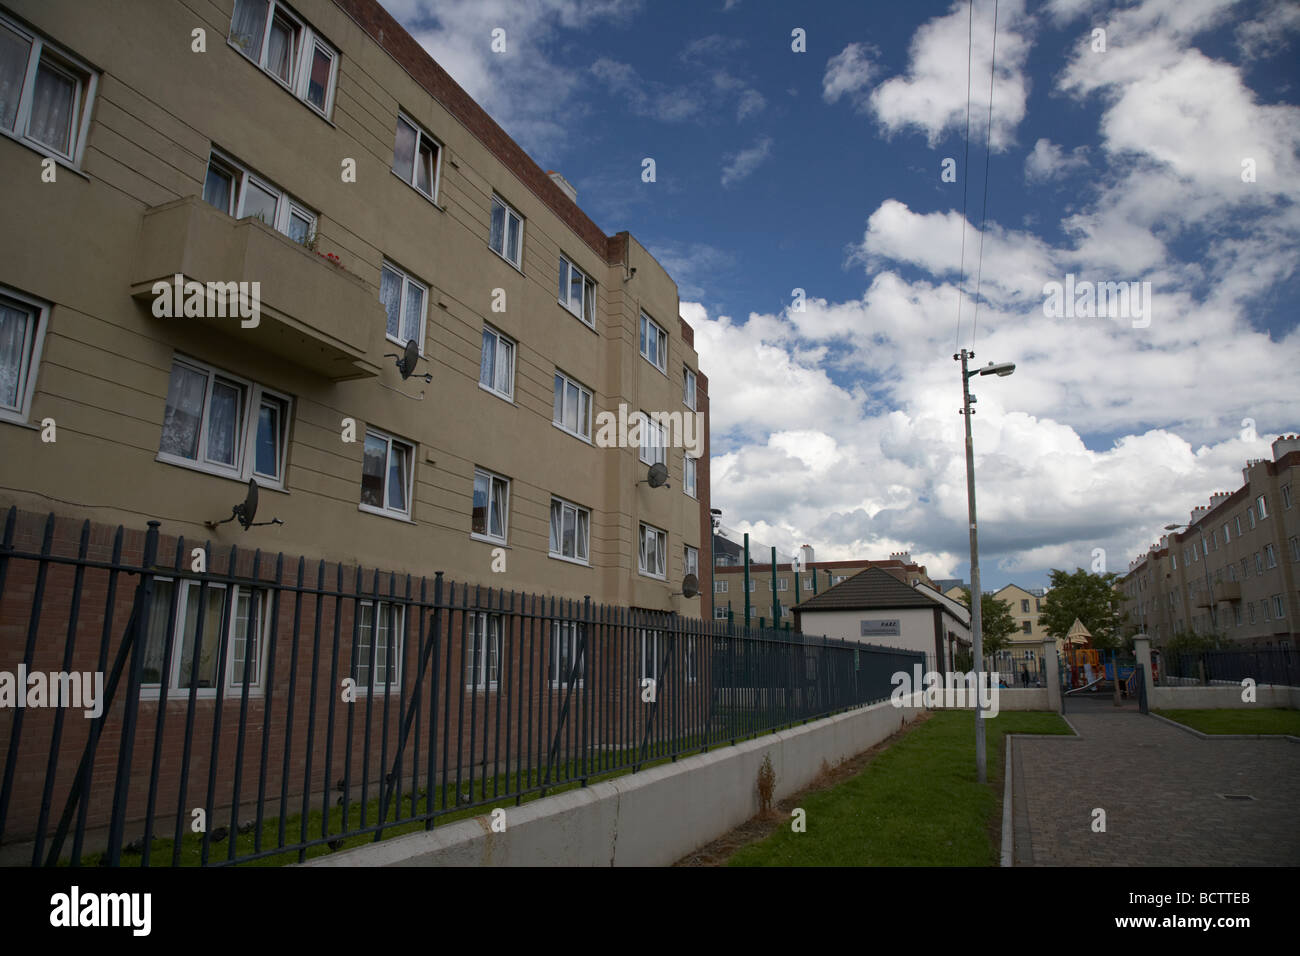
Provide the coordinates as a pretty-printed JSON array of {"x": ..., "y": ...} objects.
[{"x": 873, "y": 607}]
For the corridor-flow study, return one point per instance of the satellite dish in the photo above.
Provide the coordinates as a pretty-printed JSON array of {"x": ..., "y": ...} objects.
[
  {"x": 408, "y": 360},
  {"x": 690, "y": 586},
  {"x": 658, "y": 474},
  {"x": 245, "y": 511}
]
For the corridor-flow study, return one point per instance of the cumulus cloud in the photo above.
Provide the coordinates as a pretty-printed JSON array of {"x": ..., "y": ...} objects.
[
  {"x": 1047, "y": 160},
  {"x": 740, "y": 165},
  {"x": 849, "y": 74}
]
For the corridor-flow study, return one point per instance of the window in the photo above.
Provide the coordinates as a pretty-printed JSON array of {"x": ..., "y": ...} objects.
[
  {"x": 416, "y": 157},
  {"x": 567, "y": 655},
  {"x": 1038, "y": 604},
  {"x": 654, "y": 645},
  {"x": 1294, "y": 541},
  {"x": 386, "y": 469},
  {"x": 838, "y": 578},
  {"x": 1259, "y": 563},
  {"x": 1250, "y": 613},
  {"x": 1250, "y": 516},
  {"x": 1026, "y": 627},
  {"x": 491, "y": 506},
  {"x": 810, "y": 584},
  {"x": 688, "y": 475},
  {"x": 234, "y": 617},
  {"x": 482, "y": 650},
  {"x": 1261, "y": 506},
  {"x": 45, "y": 94},
  {"x": 651, "y": 551},
  {"x": 244, "y": 194},
  {"x": 688, "y": 388},
  {"x": 654, "y": 343},
  {"x": 1286, "y": 497},
  {"x": 721, "y": 587},
  {"x": 572, "y": 407},
  {"x": 1205, "y": 547},
  {"x": 379, "y": 643},
  {"x": 1236, "y": 614},
  {"x": 1238, "y": 523},
  {"x": 1174, "y": 559},
  {"x": 1279, "y": 610},
  {"x": 280, "y": 43},
  {"x": 720, "y": 613},
  {"x": 692, "y": 562},
  {"x": 1214, "y": 539},
  {"x": 781, "y": 584},
  {"x": 1245, "y": 568},
  {"x": 404, "y": 300},
  {"x": 1024, "y": 606},
  {"x": 570, "y": 530},
  {"x": 22, "y": 333},
  {"x": 577, "y": 292},
  {"x": 225, "y": 425},
  {"x": 1226, "y": 536},
  {"x": 1270, "y": 557},
  {"x": 507, "y": 235},
  {"x": 496, "y": 371},
  {"x": 654, "y": 447}
]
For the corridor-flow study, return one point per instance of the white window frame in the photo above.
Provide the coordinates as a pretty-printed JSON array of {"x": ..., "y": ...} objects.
[
  {"x": 1261, "y": 506},
  {"x": 233, "y": 680},
  {"x": 396, "y": 634},
  {"x": 1270, "y": 557},
  {"x": 85, "y": 78},
  {"x": 508, "y": 211},
  {"x": 652, "y": 453},
  {"x": 580, "y": 540},
  {"x": 302, "y": 53},
  {"x": 1250, "y": 518},
  {"x": 498, "y": 337},
  {"x": 1294, "y": 541},
  {"x": 721, "y": 587},
  {"x": 584, "y": 311},
  {"x": 386, "y": 509},
  {"x": 1279, "y": 608},
  {"x": 407, "y": 281},
  {"x": 691, "y": 561},
  {"x": 566, "y": 633},
  {"x": 1286, "y": 497},
  {"x": 1226, "y": 536},
  {"x": 689, "y": 475},
  {"x": 646, "y": 533},
  {"x": 435, "y": 176},
  {"x": 286, "y": 206},
  {"x": 650, "y": 327},
  {"x": 689, "y": 388},
  {"x": 253, "y": 396},
  {"x": 719, "y": 612},
  {"x": 38, "y": 320},
  {"x": 562, "y": 384},
  {"x": 489, "y": 627},
  {"x": 493, "y": 478}
]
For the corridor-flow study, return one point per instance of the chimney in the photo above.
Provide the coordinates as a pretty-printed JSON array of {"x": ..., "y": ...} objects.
[
  {"x": 564, "y": 184},
  {"x": 806, "y": 556},
  {"x": 1218, "y": 498},
  {"x": 1284, "y": 444},
  {"x": 1197, "y": 514},
  {"x": 904, "y": 556}
]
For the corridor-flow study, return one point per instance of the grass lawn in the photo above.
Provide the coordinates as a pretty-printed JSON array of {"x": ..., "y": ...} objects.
[
  {"x": 1246, "y": 720},
  {"x": 916, "y": 804}
]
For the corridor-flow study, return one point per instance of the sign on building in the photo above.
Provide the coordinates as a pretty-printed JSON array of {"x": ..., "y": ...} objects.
[{"x": 881, "y": 628}]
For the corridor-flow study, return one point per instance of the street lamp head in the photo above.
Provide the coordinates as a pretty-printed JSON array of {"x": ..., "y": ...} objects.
[
  {"x": 1174, "y": 527},
  {"x": 1004, "y": 369}
]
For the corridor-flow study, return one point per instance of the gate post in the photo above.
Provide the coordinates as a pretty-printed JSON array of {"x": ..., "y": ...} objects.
[
  {"x": 1050, "y": 675},
  {"x": 1142, "y": 650}
]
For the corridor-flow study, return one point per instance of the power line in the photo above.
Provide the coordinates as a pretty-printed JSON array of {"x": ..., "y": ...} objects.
[
  {"x": 965, "y": 164},
  {"x": 988, "y": 158}
]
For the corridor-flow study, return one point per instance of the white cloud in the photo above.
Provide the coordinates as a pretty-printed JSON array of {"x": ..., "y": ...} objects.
[
  {"x": 849, "y": 74},
  {"x": 1047, "y": 160},
  {"x": 740, "y": 165}
]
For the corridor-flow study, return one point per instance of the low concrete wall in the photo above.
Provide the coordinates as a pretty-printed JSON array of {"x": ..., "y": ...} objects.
[
  {"x": 1023, "y": 698},
  {"x": 651, "y": 818},
  {"x": 1202, "y": 697}
]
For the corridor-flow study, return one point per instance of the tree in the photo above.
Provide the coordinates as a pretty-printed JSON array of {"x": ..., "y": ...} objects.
[
  {"x": 996, "y": 622},
  {"x": 1091, "y": 598}
]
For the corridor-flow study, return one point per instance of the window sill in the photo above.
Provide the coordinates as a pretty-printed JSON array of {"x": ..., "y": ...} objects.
[
  {"x": 570, "y": 312},
  {"x": 432, "y": 201},
  {"x": 262, "y": 483},
  {"x": 44, "y": 150},
  {"x": 568, "y": 560},
  {"x": 582, "y": 438},
  {"x": 517, "y": 267},
  {"x": 401, "y": 345},
  {"x": 505, "y": 398},
  {"x": 181, "y": 695},
  {"x": 495, "y": 542},
  {"x": 661, "y": 371},
  {"x": 22, "y": 421},
  {"x": 380, "y": 512},
  {"x": 652, "y": 577}
]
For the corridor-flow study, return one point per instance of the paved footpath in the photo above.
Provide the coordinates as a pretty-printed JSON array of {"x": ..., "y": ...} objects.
[{"x": 1160, "y": 787}]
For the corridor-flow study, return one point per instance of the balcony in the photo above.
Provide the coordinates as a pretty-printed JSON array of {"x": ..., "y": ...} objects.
[
  {"x": 311, "y": 313},
  {"x": 1228, "y": 591}
]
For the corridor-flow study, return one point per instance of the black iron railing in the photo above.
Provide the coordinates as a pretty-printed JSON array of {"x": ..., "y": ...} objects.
[
  {"x": 261, "y": 708},
  {"x": 1265, "y": 665}
]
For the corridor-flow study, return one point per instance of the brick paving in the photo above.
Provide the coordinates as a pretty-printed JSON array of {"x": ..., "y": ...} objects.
[{"x": 1160, "y": 787}]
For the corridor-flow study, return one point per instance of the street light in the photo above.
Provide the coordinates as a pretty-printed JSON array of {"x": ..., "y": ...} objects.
[
  {"x": 715, "y": 521},
  {"x": 1002, "y": 369}
]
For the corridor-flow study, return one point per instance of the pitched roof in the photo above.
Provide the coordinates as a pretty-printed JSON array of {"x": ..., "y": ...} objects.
[{"x": 872, "y": 589}]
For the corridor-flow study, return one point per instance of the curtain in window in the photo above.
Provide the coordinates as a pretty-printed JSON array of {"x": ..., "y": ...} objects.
[
  {"x": 557, "y": 517},
  {"x": 570, "y": 531},
  {"x": 584, "y": 414},
  {"x": 14, "y": 53},
  {"x": 279, "y": 50},
  {"x": 184, "y": 413},
  {"x": 267, "y": 450},
  {"x": 248, "y": 616},
  {"x": 498, "y": 514},
  {"x": 404, "y": 150},
  {"x": 321, "y": 63},
  {"x": 564, "y": 280},
  {"x": 204, "y": 674},
  {"x": 424, "y": 175},
  {"x": 223, "y": 423},
  {"x": 512, "y": 239},
  {"x": 156, "y": 635},
  {"x": 414, "y": 313},
  {"x": 372, "y": 471},
  {"x": 13, "y": 348},
  {"x": 582, "y": 535},
  {"x": 51, "y": 120},
  {"x": 505, "y": 366},
  {"x": 488, "y": 362},
  {"x": 217, "y": 188},
  {"x": 479, "y": 519},
  {"x": 497, "y": 238},
  {"x": 247, "y": 26},
  {"x": 397, "y": 471},
  {"x": 557, "y": 414},
  {"x": 390, "y": 294}
]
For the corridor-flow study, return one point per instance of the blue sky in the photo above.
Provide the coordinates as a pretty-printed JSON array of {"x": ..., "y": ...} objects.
[{"x": 836, "y": 425}]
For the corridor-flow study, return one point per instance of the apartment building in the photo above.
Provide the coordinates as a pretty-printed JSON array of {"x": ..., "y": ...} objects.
[
  {"x": 233, "y": 227},
  {"x": 1234, "y": 569},
  {"x": 795, "y": 582},
  {"x": 1024, "y": 648}
]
